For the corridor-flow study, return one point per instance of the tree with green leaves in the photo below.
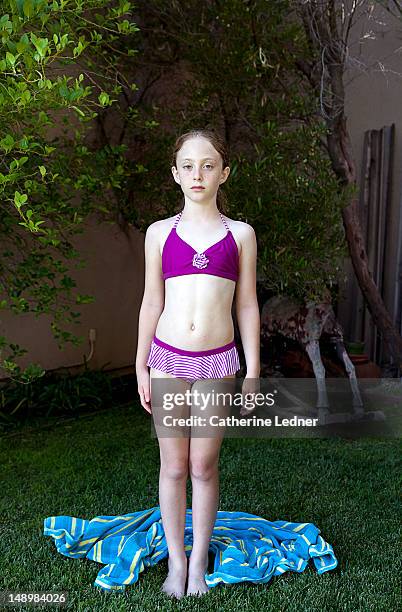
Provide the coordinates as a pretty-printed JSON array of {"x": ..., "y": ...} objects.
[
  {"x": 62, "y": 64},
  {"x": 230, "y": 66}
]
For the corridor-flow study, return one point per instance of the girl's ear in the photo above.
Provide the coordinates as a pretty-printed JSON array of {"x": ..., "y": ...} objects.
[
  {"x": 175, "y": 174},
  {"x": 225, "y": 173}
]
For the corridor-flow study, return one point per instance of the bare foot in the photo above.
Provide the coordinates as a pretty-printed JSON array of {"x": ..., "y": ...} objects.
[
  {"x": 196, "y": 578},
  {"x": 174, "y": 584}
]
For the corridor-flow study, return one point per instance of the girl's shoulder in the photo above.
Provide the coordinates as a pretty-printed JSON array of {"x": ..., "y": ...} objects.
[
  {"x": 242, "y": 232},
  {"x": 158, "y": 231},
  {"x": 241, "y": 228},
  {"x": 160, "y": 225}
]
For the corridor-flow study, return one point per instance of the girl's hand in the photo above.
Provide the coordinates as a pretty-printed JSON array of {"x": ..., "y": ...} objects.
[
  {"x": 144, "y": 390},
  {"x": 250, "y": 387}
]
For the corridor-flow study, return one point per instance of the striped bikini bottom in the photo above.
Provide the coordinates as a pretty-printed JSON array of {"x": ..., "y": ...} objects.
[{"x": 194, "y": 365}]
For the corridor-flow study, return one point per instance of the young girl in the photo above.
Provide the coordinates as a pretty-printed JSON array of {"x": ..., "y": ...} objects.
[{"x": 194, "y": 263}]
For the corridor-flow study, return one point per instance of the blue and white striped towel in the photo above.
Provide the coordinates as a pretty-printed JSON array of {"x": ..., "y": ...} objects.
[{"x": 247, "y": 548}]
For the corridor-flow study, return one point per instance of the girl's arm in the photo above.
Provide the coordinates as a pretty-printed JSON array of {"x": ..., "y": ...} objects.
[
  {"x": 153, "y": 299},
  {"x": 247, "y": 310}
]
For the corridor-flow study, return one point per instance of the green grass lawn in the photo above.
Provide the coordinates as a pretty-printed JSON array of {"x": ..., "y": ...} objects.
[{"x": 109, "y": 464}]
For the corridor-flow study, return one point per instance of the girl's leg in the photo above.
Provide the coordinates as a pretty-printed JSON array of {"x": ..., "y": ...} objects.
[
  {"x": 203, "y": 462},
  {"x": 174, "y": 452}
]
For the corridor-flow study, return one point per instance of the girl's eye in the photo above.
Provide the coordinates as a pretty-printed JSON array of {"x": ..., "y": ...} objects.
[{"x": 206, "y": 165}]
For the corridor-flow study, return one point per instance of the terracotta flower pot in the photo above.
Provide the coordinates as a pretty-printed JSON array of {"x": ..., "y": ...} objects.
[{"x": 365, "y": 368}]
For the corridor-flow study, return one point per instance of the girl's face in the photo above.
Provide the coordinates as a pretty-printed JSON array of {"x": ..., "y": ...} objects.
[{"x": 199, "y": 163}]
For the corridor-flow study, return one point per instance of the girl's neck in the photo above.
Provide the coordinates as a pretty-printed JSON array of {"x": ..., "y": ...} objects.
[{"x": 200, "y": 212}]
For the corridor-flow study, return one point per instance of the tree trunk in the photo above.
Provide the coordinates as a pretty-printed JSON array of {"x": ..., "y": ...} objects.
[{"x": 367, "y": 285}]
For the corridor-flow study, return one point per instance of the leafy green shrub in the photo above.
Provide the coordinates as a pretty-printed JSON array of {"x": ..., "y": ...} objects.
[
  {"x": 54, "y": 395},
  {"x": 60, "y": 67}
]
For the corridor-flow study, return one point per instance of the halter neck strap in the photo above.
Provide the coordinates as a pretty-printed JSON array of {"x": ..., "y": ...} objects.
[
  {"x": 224, "y": 222},
  {"x": 178, "y": 218}
]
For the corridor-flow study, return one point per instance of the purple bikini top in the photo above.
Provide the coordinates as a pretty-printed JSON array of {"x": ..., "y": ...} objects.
[{"x": 220, "y": 259}]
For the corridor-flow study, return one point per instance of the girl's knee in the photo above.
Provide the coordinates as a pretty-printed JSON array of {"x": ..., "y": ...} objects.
[
  {"x": 175, "y": 469},
  {"x": 203, "y": 468}
]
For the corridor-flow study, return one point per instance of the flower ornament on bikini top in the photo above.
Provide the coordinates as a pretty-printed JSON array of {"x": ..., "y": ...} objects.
[{"x": 200, "y": 261}]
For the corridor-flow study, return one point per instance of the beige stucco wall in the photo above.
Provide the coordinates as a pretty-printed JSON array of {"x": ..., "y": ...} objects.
[{"x": 114, "y": 275}]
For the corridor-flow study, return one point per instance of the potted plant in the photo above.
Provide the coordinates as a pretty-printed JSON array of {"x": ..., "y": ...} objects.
[{"x": 364, "y": 368}]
